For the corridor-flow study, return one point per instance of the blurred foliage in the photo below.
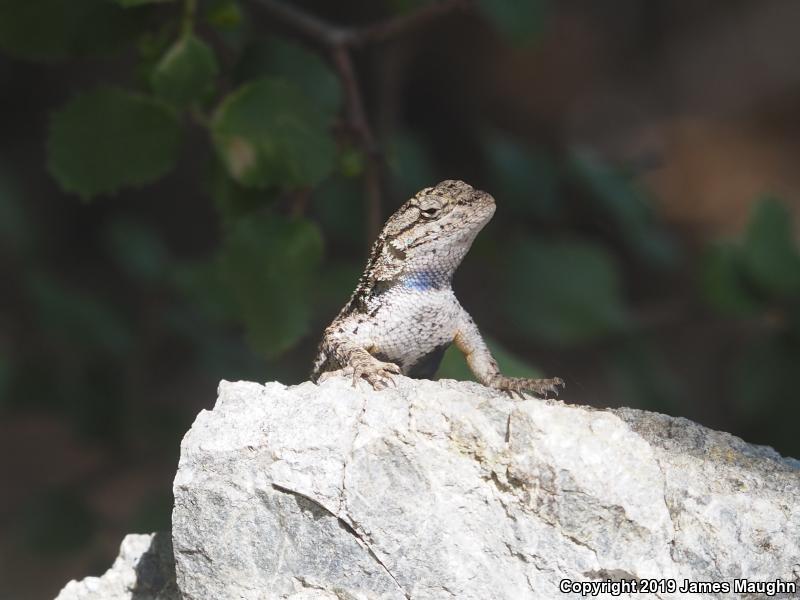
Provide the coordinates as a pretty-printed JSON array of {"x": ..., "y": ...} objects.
[
  {"x": 410, "y": 163},
  {"x": 185, "y": 74},
  {"x": 762, "y": 271},
  {"x": 526, "y": 178},
  {"x": 563, "y": 291},
  {"x": 284, "y": 60},
  {"x": 225, "y": 15},
  {"x": 108, "y": 138},
  {"x": 51, "y": 30},
  {"x": 269, "y": 263},
  {"x": 522, "y": 21},
  {"x": 757, "y": 280},
  {"x": 269, "y": 135},
  {"x": 77, "y": 318},
  {"x": 235, "y": 124},
  {"x": 616, "y": 198},
  {"x": 138, "y": 251},
  {"x": 17, "y": 233}
]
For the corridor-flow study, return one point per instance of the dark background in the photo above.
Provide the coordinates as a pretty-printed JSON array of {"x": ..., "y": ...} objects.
[{"x": 169, "y": 222}]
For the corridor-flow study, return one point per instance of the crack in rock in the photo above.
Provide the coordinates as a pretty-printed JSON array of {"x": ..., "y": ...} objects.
[{"x": 347, "y": 527}]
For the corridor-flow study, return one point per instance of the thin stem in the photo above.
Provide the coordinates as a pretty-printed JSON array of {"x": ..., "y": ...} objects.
[
  {"x": 305, "y": 23},
  {"x": 187, "y": 20},
  {"x": 329, "y": 34},
  {"x": 397, "y": 26},
  {"x": 354, "y": 105},
  {"x": 357, "y": 120}
]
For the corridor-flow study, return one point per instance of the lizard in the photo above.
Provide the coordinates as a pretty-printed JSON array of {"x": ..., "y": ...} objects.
[{"x": 403, "y": 313}]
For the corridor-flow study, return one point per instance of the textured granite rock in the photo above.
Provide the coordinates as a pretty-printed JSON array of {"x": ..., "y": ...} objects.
[
  {"x": 446, "y": 489},
  {"x": 144, "y": 570}
]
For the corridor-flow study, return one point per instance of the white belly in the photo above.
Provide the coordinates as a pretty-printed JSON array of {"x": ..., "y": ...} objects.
[{"x": 411, "y": 324}]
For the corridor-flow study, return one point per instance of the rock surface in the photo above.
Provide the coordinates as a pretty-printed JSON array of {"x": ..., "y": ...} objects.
[
  {"x": 144, "y": 570},
  {"x": 451, "y": 490}
]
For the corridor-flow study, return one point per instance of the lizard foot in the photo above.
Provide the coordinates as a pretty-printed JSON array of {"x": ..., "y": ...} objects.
[
  {"x": 518, "y": 385},
  {"x": 378, "y": 374}
]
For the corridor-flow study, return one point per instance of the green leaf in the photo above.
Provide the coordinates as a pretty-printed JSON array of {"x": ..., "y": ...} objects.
[
  {"x": 48, "y": 30},
  {"x": 769, "y": 252},
  {"x": 107, "y": 139},
  {"x": 186, "y": 72},
  {"x": 224, "y": 15},
  {"x": 233, "y": 200},
  {"x": 521, "y": 20},
  {"x": 722, "y": 280},
  {"x": 270, "y": 265},
  {"x": 269, "y": 134},
  {"x": 524, "y": 177},
  {"x": 615, "y": 195},
  {"x": 279, "y": 59},
  {"x": 563, "y": 291},
  {"x": 232, "y": 28},
  {"x": 151, "y": 47},
  {"x": 454, "y": 365},
  {"x": 351, "y": 162}
]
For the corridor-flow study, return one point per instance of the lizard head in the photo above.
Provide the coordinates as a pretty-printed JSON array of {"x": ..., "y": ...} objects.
[
  {"x": 433, "y": 230},
  {"x": 454, "y": 209},
  {"x": 450, "y": 212}
]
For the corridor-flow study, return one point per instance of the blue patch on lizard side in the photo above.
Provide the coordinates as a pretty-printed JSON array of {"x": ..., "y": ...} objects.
[{"x": 421, "y": 281}]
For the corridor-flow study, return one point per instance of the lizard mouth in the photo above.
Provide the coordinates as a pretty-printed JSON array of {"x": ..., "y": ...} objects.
[
  {"x": 484, "y": 203},
  {"x": 476, "y": 210},
  {"x": 478, "y": 197}
]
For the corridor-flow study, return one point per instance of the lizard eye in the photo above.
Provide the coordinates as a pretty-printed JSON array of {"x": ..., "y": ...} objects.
[{"x": 430, "y": 212}]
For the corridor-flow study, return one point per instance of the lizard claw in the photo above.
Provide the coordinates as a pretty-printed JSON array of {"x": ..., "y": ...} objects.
[
  {"x": 378, "y": 374},
  {"x": 515, "y": 386}
]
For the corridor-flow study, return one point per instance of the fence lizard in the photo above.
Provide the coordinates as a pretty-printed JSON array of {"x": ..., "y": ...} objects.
[{"x": 403, "y": 313}]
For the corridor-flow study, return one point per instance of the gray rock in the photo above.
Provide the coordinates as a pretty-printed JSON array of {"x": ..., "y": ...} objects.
[
  {"x": 451, "y": 490},
  {"x": 144, "y": 570}
]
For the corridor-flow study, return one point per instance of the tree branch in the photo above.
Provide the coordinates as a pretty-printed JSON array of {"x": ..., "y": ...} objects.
[
  {"x": 305, "y": 23},
  {"x": 338, "y": 41},
  {"x": 329, "y": 34},
  {"x": 397, "y": 26},
  {"x": 357, "y": 120}
]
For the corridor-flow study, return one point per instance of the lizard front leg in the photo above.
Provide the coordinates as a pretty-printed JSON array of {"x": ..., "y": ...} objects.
[
  {"x": 354, "y": 359},
  {"x": 468, "y": 339}
]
